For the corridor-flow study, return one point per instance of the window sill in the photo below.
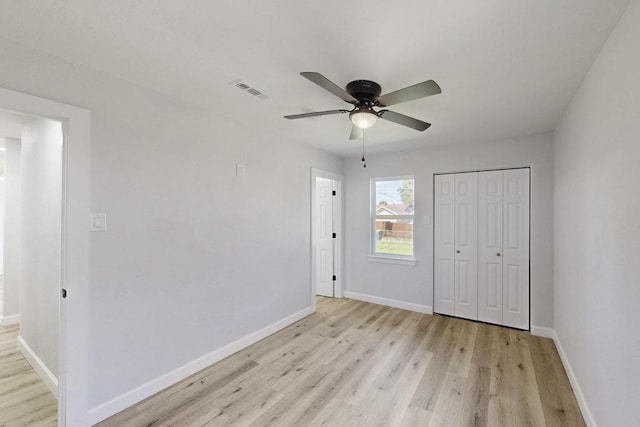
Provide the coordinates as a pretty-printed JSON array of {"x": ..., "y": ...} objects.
[{"x": 392, "y": 260}]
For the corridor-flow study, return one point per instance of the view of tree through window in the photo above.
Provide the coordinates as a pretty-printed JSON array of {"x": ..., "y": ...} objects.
[{"x": 392, "y": 216}]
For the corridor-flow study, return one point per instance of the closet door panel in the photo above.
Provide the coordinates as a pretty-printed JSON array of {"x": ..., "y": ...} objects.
[
  {"x": 444, "y": 259},
  {"x": 515, "y": 271},
  {"x": 466, "y": 245},
  {"x": 490, "y": 246}
]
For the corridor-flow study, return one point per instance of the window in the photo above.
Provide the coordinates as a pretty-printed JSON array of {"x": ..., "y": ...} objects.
[{"x": 392, "y": 217}]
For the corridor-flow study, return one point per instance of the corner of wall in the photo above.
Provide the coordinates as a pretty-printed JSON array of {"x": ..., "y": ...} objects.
[
  {"x": 130, "y": 398},
  {"x": 9, "y": 320},
  {"x": 419, "y": 308},
  {"x": 577, "y": 391},
  {"x": 38, "y": 366}
]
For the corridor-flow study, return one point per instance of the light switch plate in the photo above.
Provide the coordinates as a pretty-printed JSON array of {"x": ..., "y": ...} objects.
[
  {"x": 240, "y": 169},
  {"x": 98, "y": 222}
]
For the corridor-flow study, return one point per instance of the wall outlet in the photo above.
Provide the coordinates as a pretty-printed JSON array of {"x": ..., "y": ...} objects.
[{"x": 240, "y": 169}]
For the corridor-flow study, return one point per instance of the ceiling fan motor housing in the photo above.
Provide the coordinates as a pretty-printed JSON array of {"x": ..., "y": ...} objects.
[
  {"x": 364, "y": 90},
  {"x": 364, "y": 95}
]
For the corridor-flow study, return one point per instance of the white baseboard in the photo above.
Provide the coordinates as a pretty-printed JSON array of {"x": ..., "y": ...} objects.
[
  {"x": 582, "y": 403},
  {"x": 390, "y": 302},
  {"x": 113, "y": 406},
  {"x": 38, "y": 365},
  {"x": 9, "y": 320},
  {"x": 542, "y": 331}
]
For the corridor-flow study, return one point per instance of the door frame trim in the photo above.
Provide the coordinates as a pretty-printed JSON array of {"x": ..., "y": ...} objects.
[
  {"x": 339, "y": 248},
  {"x": 73, "y": 374}
]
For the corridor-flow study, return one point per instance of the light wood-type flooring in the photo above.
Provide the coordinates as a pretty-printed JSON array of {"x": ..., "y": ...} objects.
[
  {"x": 24, "y": 399},
  {"x": 358, "y": 364}
]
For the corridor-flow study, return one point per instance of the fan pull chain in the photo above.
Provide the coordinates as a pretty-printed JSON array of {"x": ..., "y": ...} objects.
[{"x": 364, "y": 163}]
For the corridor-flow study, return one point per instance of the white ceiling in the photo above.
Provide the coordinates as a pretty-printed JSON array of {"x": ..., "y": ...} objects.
[{"x": 506, "y": 67}]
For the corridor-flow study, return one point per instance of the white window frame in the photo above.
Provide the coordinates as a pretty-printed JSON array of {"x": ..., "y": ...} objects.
[{"x": 382, "y": 256}]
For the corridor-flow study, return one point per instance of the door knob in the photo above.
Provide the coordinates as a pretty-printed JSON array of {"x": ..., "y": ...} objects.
[
  {"x": 458, "y": 251},
  {"x": 498, "y": 254}
]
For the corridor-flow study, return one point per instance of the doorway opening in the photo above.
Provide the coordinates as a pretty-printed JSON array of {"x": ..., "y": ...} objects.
[
  {"x": 31, "y": 234},
  {"x": 52, "y": 156},
  {"x": 326, "y": 234}
]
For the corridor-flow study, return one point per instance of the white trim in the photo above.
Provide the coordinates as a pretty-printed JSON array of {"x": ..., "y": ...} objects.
[
  {"x": 9, "y": 320},
  {"x": 391, "y": 260},
  {"x": 390, "y": 302},
  {"x": 339, "y": 183},
  {"x": 73, "y": 369},
  {"x": 107, "y": 409},
  {"x": 542, "y": 331},
  {"x": 38, "y": 365},
  {"x": 577, "y": 391}
]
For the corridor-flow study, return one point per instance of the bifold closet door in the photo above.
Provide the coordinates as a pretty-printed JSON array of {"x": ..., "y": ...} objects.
[
  {"x": 481, "y": 246},
  {"x": 515, "y": 249},
  {"x": 444, "y": 251},
  {"x": 490, "y": 246},
  {"x": 503, "y": 247},
  {"x": 466, "y": 245},
  {"x": 456, "y": 245}
]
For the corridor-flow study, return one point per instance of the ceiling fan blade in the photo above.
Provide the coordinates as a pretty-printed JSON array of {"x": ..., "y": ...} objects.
[
  {"x": 315, "y": 114},
  {"x": 327, "y": 84},
  {"x": 410, "y": 93},
  {"x": 403, "y": 120},
  {"x": 356, "y": 133}
]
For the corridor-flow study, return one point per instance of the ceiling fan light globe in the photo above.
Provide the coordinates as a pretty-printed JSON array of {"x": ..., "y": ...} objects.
[{"x": 363, "y": 119}]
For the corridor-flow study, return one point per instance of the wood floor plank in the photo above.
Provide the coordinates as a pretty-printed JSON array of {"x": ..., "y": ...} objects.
[
  {"x": 336, "y": 412},
  {"x": 558, "y": 401},
  {"x": 408, "y": 344},
  {"x": 484, "y": 348},
  {"x": 305, "y": 402},
  {"x": 475, "y": 406},
  {"x": 430, "y": 387},
  {"x": 358, "y": 364},
  {"x": 179, "y": 397},
  {"x": 448, "y": 408},
  {"x": 415, "y": 416},
  {"x": 463, "y": 352},
  {"x": 406, "y": 385},
  {"x": 389, "y": 339}
]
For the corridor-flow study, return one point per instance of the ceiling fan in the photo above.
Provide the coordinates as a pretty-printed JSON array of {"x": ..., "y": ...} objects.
[{"x": 364, "y": 95}]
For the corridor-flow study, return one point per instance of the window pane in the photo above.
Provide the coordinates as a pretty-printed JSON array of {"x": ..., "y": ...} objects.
[
  {"x": 393, "y": 234},
  {"x": 394, "y": 238}
]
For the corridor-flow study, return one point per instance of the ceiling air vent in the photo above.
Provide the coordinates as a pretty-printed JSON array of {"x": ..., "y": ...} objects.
[{"x": 245, "y": 87}]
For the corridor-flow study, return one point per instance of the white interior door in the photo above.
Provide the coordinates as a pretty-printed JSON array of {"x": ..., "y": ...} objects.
[
  {"x": 490, "y": 246},
  {"x": 466, "y": 245},
  {"x": 444, "y": 244},
  {"x": 325, "y": 249},
  {"x": 515, "y": 271}
]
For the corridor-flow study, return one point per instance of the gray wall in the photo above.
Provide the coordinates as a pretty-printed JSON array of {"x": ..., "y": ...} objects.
[
  {"x": 414, "y": 284},
  {"x": 194, "y": 257},
  {"x": 41, "y": 208},
  {"x": 597, "y": 232}
]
